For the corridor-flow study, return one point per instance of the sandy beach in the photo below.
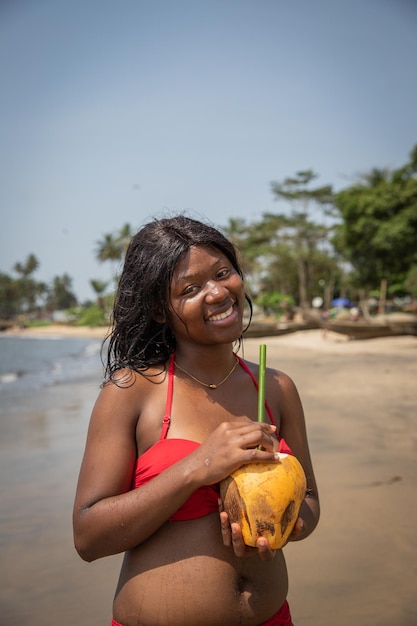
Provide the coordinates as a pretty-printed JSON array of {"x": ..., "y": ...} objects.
[{"x": 359, "y": 567}]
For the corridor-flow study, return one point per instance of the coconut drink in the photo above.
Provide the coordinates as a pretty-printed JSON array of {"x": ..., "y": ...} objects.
[{"x": 265, "y": 498}]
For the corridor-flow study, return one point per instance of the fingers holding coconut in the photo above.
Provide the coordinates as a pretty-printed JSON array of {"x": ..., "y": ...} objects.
[
  {"x": 232, "y": 445},
  {"x": 232, "y": 537},
  {"x": 249, "y": 435},
  {"x": 239, "y": 547},
  {"x": 265, "y": 551},
  {"x": 225, "y": 527},
  {"x": 257, "y": 436}
]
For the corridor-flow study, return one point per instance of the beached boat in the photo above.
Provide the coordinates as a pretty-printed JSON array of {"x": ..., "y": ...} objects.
[
  {"x": 390, "y": 325},
  {"x": 6, "y": 324},
  {"x": 275, "y": 329},
  {"x": 358, "y": 330},
  {"x": 402, "y": 323}
]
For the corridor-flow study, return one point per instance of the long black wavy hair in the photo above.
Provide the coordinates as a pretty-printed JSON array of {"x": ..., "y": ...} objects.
[{"x": 137, "y": 340}]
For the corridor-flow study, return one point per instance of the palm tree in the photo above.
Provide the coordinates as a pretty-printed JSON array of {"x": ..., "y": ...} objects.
[
  {"x": 125, "y": 235},
  {"x": 110, "y": 249},
  {"x": 113, "y": 248},
  {"x": 28, "y": 288},
  {"x": 28, "y": 267},
  {"x": 61, "y": 295},
  {"x": 99, "y": 287}
]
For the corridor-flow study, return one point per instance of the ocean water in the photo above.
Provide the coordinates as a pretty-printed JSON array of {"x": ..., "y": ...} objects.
[
  {"x": 29, "y": 363},
  {"x": 48, "y": 386}
]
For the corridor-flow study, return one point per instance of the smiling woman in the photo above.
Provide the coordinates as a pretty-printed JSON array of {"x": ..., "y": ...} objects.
[{"x": 176, "y": 415}]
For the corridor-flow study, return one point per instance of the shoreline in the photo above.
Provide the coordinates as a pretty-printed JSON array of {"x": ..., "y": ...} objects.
[
  {"x": 308, "y": 339},
  {"x": 60, "y": 330}
]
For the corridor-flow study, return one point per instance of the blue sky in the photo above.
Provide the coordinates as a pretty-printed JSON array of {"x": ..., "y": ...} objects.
[{"x": 115, "y": 112}]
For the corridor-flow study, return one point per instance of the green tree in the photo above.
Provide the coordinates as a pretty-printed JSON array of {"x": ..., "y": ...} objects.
[
  {"x": 251, "y": 244},
  {"x": 298, "y": 192},
  {"x": 28, "y": 267},
  {"x": 9, "y": 297},
  {"x": 378, "y": 231},
  {"x": 273, "y": 250},
  {"x": 303, "y": 235},
  {"x": 28, "y": 289},
  {"x": 113, "y": 247},
  {"x": 299, "y": 257},
  {"x": 124, "y": 236},
  {"x": 99, "y": 288},
  {"x": 411, "y": 281},
  {"x": 109, "y": 249},
  {"x": 60, "y": 294}
]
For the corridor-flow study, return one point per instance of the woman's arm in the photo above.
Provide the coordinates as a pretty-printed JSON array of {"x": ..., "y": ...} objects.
[
  {"x": 108, "y": 516},
  {"x": 293, "y": 430}
]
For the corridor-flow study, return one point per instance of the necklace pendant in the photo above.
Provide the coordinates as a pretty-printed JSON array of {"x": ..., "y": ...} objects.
[{"x": 212, "y": 386}]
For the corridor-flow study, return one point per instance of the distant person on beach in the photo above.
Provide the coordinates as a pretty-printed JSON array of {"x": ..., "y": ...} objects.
[{"x": 177, "y": 413}]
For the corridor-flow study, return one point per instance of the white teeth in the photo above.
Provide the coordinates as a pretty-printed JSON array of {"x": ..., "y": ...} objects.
[{"x": 221, "y": 316}]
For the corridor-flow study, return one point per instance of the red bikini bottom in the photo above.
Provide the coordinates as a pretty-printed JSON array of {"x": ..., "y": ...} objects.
[{"x": 281, "y": 618}]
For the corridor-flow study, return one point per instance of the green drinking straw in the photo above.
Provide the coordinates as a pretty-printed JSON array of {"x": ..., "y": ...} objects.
[{"x": 261, "y": 382}]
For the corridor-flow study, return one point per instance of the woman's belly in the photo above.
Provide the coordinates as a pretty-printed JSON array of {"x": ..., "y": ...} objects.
[{"x": 184, "y": 575}]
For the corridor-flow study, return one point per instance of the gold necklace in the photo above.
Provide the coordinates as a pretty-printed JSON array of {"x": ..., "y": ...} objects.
[{"x": 212, "y": 386}]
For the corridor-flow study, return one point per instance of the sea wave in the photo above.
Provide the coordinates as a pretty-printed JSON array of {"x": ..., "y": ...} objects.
[
  {"x": 8, "y": 377},
  {"x": 32, "y": 362}
]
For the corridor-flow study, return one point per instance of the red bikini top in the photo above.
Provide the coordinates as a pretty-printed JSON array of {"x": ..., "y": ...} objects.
[{"x": 166, "y": 452}]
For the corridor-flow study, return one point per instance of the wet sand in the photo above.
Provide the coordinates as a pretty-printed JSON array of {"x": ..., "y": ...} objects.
[{"x": 359, "y": 567}]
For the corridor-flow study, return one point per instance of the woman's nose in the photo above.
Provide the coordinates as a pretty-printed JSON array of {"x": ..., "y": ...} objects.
[{"x": 215, "y": 291}]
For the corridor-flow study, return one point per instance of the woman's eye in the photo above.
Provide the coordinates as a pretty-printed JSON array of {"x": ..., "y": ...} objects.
[
  {"x": 190, "y": 290},
  {"x": 222, "y": 273}
]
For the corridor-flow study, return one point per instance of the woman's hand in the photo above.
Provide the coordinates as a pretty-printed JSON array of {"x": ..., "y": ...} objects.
[
  {"x": 233, "y": 444},
  {"x": 232, "y": 537}
]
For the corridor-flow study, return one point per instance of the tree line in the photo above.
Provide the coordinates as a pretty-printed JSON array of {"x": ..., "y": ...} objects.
[
  {"x": 321, "y": 244},
  {"x": 326, "y": 244}
]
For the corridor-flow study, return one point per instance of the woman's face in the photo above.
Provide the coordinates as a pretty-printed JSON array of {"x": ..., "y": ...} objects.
[{"x": 207, "y": 298}]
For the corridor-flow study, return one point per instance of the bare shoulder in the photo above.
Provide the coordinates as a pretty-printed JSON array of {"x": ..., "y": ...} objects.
[
  {"x": 127, "y": 392},
  {"x": 130, "y": 380},
  {"x": 285, "y": 383},
  {"x": 276, "y": 379}
]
